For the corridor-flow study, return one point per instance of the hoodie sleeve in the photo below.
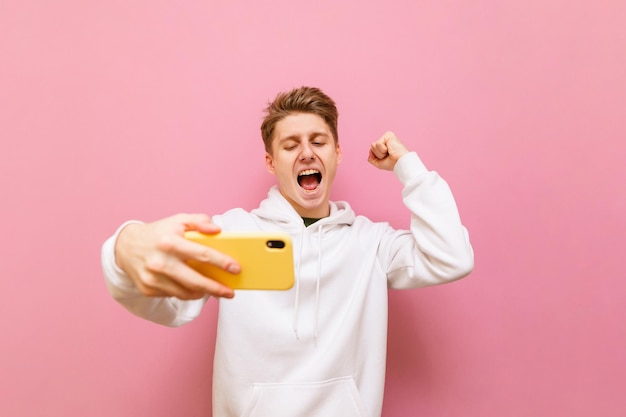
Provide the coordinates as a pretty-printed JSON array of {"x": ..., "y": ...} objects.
[
  {"x": 436, "y": 250},
  {"x": 168, "y": 311}
]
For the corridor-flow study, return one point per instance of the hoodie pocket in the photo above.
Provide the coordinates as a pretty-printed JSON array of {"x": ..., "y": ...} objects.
[{"x": 334, "y": 397}]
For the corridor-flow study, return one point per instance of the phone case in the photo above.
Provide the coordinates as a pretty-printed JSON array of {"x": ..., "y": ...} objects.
[{"x": 266, "y": 259}]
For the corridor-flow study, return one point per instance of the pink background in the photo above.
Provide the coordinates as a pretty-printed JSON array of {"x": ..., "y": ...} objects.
[{"x": 118, "y": 109}]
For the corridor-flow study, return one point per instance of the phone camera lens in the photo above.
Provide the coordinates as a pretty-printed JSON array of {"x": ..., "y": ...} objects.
[{"x": 275, "y": 244}]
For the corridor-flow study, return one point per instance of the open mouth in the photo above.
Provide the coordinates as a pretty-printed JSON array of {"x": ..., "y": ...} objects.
[{"x": 309, "y": 179}]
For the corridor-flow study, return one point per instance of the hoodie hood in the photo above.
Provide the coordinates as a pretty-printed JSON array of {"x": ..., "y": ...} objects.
[{"x": 277, "y": 209}]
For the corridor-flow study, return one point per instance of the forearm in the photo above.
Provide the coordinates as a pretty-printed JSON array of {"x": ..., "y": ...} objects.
[{"x": 441, "y": 250}]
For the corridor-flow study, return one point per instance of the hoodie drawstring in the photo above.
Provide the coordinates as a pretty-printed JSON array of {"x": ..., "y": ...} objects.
[
  {"x": 317, "y": 284},
  {"x": 297, "y": 301},
  {"x": 317, "y": 287}
]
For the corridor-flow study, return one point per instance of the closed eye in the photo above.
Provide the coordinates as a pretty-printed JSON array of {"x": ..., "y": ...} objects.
[{"x": 290, "y": 145}]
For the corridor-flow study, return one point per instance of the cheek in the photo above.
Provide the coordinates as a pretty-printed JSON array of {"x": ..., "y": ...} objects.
[
  {"x": 282, "y": 167},
  {"x": 335, "y": 159}
]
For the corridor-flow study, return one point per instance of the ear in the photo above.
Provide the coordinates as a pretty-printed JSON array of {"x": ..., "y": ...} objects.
[
  {"x": 269, "y": 163},
  {"x": 338, "y": 151}
]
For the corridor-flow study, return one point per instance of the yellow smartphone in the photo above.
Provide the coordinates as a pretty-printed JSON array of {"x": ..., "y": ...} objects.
[{"x": 266, "y": 259}]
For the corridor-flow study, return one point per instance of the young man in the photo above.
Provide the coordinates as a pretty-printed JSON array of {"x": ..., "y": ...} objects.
[{"x": 318, "y": 349}]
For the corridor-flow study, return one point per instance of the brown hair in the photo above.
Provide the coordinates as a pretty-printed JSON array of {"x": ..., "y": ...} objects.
[{"x": 299, "y": 100}]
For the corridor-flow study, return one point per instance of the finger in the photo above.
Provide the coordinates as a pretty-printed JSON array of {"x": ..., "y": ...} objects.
[
  {"x": 373, "y": 159},
  {"x": 379, "y": 149},
  {"x": 168, "y": 288},
  {"x": 157, "y": 285},
  {"x": 196, "y": 283},
  {"x": 198, "y": 222},
  {"x": 185, "y": 249},
  {"x": 171, "y": 276},
  {"x": 208, "y": 228}
]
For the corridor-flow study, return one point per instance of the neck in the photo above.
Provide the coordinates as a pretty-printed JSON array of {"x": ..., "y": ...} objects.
[
  {"x": 312, "y": 213},
  {"x": 316, "y": 212}
]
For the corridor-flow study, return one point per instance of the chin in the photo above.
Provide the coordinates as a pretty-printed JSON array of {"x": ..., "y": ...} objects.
[{"x": 317, "y": 204}]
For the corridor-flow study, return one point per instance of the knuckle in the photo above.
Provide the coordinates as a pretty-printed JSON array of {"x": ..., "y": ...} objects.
[
  {"x": 147, "y": 285},
  {"x": 195, "y": 289},
  {"x": 156, "y": 264},
  {"x": 192, "y": 285},
  {"x": 166, "y": 244},
  {"x": 149, "y": 280},
  {"x": 206, "y": 255}
]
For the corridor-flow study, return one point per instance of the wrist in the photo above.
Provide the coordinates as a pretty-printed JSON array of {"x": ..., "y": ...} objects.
[
  {"x": 408, "y": 167},
  {"x": 120, "y": 239}
]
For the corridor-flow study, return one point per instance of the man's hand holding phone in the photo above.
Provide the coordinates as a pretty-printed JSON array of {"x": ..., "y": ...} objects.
[{"x": 154, "y": 256}]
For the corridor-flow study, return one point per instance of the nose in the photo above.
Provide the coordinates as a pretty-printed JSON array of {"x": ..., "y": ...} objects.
[{"x": 307, "y": 152}]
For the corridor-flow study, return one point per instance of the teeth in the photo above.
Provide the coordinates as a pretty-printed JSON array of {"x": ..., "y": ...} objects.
[{"x": 309, "y": 172}]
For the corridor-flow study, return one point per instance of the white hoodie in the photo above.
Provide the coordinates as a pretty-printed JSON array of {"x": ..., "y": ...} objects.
[{"x": 319, "y": 349}]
